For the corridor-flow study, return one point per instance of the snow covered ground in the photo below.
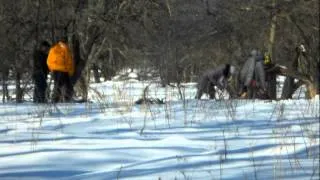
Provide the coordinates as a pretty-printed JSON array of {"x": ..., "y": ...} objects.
[{"x": 112, "y": 138}]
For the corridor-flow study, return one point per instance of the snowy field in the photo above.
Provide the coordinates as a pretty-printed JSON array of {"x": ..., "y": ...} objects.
[{"x": 112, "y": 138}]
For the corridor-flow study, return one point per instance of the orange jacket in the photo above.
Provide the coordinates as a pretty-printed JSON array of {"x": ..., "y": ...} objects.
[{"x": 60, "y": 59}]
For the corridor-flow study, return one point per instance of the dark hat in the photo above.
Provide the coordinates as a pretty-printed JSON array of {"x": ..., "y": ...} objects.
[
  {"x": 45, "y": 43},
  {"x": 63, "y": 38}
]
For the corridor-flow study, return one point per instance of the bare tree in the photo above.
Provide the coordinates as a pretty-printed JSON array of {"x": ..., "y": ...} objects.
[{"x": 177, "y": 39}]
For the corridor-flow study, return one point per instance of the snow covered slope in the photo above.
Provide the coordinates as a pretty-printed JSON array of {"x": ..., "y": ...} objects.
[{"x": 112, "y": 138}]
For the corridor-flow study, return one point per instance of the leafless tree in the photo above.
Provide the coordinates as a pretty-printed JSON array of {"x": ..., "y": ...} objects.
[{"x": 177, "y": 39}]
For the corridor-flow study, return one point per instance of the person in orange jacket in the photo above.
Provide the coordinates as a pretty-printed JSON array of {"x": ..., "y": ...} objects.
[{"x": 60, "y": 63}]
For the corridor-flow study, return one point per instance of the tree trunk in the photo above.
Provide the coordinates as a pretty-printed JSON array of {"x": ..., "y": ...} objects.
[
  {"x": 5, "y": 91},
  {"x": 53, "y": 20},
  {"x": 318, "y": 76},
  {"x": 288, "y": 86},
  {"x": 272, "y": 29},
  {"x": 272, "y": 85},
  {"x": 287, "y": 89},
  {"x": 19, "y": 93},
  {"x": 96, "y": 73},
  {"x": 272, "y": 81},
  {"x": 82, "y": 88},
  {"x": 78, "y": 61},
  {"x": 79, "y": 67}
]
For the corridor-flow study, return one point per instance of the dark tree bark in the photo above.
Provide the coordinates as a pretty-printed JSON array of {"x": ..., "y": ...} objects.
[
  {"x": 96, "y": 73},
  {"x": 5, "y": 91},
  {"x": 287, "y": 89},
  {"x": 79, "y": 68},
  {"x": 272, "y": 85},
  {"x": 19, "y": 92}
]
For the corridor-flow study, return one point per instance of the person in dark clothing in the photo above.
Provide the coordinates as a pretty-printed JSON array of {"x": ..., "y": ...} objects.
[
  {"x": 40, "y": 72},
  {"x": 252, "y": 77},
  {"x": 215, "y": 77}
]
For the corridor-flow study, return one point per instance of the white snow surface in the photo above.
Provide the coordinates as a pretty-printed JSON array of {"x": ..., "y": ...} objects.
[{"x": 112, "y": 138}]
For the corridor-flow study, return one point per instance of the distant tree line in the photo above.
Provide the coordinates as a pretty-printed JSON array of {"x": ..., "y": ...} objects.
[{"x": 175, "y": 39}]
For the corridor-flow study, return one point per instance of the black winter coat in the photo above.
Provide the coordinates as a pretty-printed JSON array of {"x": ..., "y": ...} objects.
[{"x": 40, "y": 67}]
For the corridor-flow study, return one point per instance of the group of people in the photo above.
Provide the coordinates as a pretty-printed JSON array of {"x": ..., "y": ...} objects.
[
  {"x": 58, "y": 60},
  {"x": 251, "y": 78}
]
